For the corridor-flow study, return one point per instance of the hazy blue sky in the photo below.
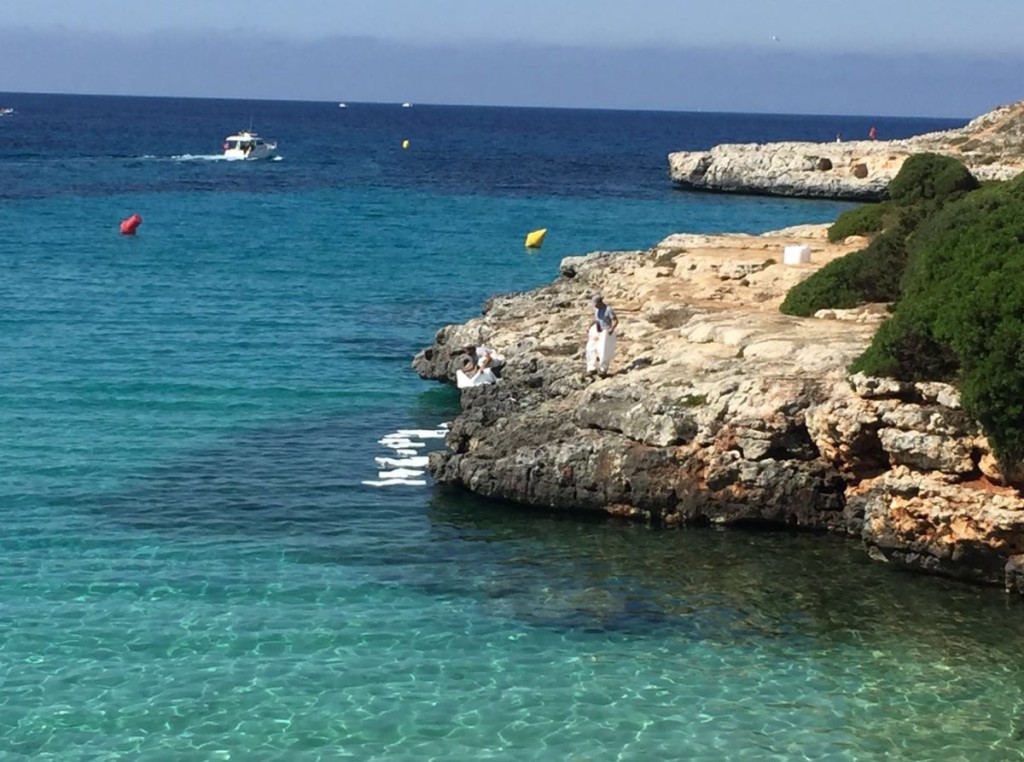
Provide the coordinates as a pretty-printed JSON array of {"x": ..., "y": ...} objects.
[{"x": 922, "y": 57}]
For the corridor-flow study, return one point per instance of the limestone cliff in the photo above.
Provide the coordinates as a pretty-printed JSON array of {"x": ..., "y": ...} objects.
[
  {"x": 991, "y": 146},
  {"x": 720, "y": 409}
]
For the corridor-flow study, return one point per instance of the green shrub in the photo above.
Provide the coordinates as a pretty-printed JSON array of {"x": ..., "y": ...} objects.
[
  {"x": 862, "y": 220},
  {"x": 993, "y": 392},
  {"x": 962, "y": 312},
  {"x": 828, "y": 288},
  {"x": 951, "y": 257},
  {"x": 876, "y": 273},
  {"x": 904, "y": 348},
  {"x": 872, "y": 274},
  {"x": 928, "y": 176}
]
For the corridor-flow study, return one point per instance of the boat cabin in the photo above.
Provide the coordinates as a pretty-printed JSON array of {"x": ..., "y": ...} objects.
[{"x": 242, "y": 143}]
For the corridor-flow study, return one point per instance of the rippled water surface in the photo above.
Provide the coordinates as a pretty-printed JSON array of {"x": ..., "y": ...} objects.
[{"x": 192, "y": 565}]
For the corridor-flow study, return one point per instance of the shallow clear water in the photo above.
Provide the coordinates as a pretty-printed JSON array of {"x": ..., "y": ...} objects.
[{"x": 191, "y": 565}]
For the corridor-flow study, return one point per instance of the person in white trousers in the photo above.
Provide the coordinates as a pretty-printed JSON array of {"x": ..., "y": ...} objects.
[{"x": 601, "y": 337}]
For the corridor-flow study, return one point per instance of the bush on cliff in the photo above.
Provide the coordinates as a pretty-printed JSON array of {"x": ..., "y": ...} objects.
[
  {"x": 930, "y": 177},
  {"x": 871, "y": 274},
  {"x": 926, "y": 178},
  {"x": 861, "y": 220},
  {"x": 924, "y": 184},
  {"x": 961, "y": 317}
]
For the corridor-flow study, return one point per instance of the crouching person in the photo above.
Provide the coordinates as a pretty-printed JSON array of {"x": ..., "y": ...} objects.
[{"x": 473, "y": 373}]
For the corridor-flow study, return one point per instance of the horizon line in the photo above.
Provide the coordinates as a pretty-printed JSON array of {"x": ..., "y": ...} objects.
[{"x": 433, "y": 104}]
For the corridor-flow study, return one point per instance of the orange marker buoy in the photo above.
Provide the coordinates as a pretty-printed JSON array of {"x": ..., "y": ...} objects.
[{"x": 130, "y": 225}]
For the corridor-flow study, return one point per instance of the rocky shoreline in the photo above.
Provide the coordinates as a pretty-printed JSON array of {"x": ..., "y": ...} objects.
[
  {"x": 990, "y": 146},
  {"x": 721, "y": 410}
]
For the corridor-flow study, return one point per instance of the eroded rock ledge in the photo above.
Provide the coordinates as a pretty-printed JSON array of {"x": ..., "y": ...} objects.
[
  {"x": 991, "y": 146},
  {"x": 722, "y": 410}
]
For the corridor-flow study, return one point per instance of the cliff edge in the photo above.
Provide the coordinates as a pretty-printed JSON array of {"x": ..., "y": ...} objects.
[
  {"x": 990, "y": 146},
  {"x": 719, "y": 409}
]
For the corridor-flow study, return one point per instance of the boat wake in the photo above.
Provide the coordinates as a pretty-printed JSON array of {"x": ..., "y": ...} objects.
[
  {"x": 200, "y": 157},
  {"x": 408, "y": 464},
  {"x": 212, "y": 157}
]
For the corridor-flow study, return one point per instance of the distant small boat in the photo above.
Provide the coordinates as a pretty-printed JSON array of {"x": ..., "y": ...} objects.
[
  {"x": 248, "y": 145},
  {"x": 342, "y": 105},
  {"x": 406, "y": 105},
  {"x": 6, "y": 111}
]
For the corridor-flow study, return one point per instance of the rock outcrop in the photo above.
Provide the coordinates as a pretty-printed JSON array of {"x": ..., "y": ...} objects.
[
  {"x": 720, "y": 409},
  {"x": 991, "y": 146}
]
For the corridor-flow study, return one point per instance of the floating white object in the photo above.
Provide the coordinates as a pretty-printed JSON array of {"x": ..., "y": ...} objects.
[
  {"x": 390, "y": 482},
  {"x": 400, "y": 473},
  {"x": 400, "y": 462},
  {"x": 796, "y": 255},
  {"x": 404, "y": 444},
  {"x": 411, "y": 463}
]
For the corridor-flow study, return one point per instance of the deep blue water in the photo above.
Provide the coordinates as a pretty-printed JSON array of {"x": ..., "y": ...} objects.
[{"x": 191, "y": 563}]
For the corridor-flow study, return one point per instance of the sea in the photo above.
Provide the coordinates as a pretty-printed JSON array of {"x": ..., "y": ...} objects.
[{"x": 205, "y": 552}]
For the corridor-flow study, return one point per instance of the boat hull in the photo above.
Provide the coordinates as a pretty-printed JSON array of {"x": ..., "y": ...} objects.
[
  {"x": 260, "y": 152},
  {"x": 248, "y": 146}
]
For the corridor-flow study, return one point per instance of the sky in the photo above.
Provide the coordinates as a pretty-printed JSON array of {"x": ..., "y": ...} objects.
[{"x": 884, "y": 57}]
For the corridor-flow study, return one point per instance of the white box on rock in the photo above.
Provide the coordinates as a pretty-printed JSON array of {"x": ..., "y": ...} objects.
[{"x": 796, "y": 255}]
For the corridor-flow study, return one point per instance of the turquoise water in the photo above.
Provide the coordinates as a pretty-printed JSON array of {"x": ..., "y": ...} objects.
[{"x": 193, "y": 567}]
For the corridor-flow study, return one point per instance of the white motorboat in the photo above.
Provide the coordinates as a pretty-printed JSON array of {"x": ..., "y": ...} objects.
[
  {"x": 248, "y": 145},
  {"x": 6, "y": 111}
]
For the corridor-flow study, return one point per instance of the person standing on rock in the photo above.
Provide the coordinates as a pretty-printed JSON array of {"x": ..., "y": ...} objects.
[
  {"x": 601, "y": 337},
  {"x": 873, "y": 133}
]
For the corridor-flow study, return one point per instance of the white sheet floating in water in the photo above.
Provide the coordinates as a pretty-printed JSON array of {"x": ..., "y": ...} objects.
[
  {"x": 404, "y": 444},
  {"x": 411, "y": 463},
  {"x": 399, "y": 473},
  {"x": 399, "y": 462},
  {"x": 390, "y": 482}
]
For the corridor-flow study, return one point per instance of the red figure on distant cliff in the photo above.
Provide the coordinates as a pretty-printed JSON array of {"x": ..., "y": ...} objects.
[{"x": 873, "y": 132}]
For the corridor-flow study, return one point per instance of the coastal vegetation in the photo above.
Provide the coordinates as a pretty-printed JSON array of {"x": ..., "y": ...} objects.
[
  {"x": 862, "y": 220},
  {"x": 949, "y": 258},
  {"x": 925, "y": 184}
]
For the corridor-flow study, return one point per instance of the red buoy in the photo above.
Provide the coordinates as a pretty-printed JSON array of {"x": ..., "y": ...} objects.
[{"x": 129, "y": 226}]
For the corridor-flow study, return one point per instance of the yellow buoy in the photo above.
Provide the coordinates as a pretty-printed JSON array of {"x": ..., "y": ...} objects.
[
  {"x": 405, "y": 144},
  {"x": 535, "y": 238}
]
